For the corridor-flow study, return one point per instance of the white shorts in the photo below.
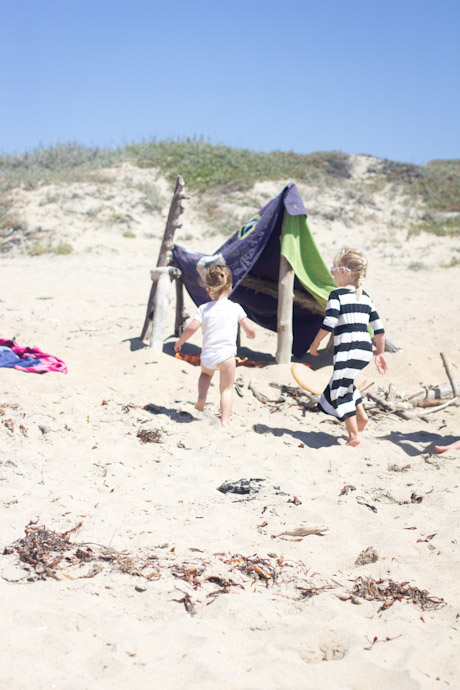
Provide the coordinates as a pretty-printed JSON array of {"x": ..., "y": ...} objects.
[{"x": 211, "y": 360}]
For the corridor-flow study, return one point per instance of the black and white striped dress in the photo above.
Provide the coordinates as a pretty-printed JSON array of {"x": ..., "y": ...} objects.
[{"x": 349, "y": 318}]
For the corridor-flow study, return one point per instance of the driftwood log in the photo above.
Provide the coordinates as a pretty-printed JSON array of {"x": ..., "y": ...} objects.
[
  {"x": 165, "y": 255},
  {"x": 434, "y": 393},
  {"x": 269, "y": 287},
  {"x": 162, "y": 277}
]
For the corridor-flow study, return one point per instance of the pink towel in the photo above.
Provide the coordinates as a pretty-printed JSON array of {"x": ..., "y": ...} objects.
[{"x": 33, "y": 359}]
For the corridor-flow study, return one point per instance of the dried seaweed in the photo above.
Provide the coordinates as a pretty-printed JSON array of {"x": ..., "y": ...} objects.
[
  {"x": 149, "y": 436},
  {"x": 44, "y": 552},
  {"x": 254, "y": 566},
  {"x": 388, "y": 591}
]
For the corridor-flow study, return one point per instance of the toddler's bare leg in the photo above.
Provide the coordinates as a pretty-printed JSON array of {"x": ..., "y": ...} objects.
[
  {"x": 227, "y": 379},
  {"x": 361, "y": 417},
  {"x": 203, "y": 386},
  {"x": 352, "y": 428}
]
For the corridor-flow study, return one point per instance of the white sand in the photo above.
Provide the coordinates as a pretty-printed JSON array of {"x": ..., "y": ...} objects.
[{"x": 81, "y": 460}]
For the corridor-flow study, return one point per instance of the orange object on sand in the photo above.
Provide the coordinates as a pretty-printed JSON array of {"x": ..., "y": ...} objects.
[
  {"x": 240, "y": 361},
  {"x": 304, "y": 377}
]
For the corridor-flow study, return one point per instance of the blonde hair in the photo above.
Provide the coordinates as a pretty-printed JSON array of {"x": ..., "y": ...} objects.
[
  {"x": 356, "y": 263},
  {"x": 218, "y": 279}
]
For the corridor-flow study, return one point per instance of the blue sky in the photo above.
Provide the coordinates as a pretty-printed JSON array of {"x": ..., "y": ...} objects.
[{"x": 360, "y": 76}]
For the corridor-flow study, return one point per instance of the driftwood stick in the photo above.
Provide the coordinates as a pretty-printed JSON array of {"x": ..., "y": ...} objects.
[
  {"x": 416, "y": 395},
  {"x": 165, "y": 255},
  {"x": 366, "y": 386},
  {"x": 428, "y": 403},
  {"x": 453, "y": 383},
  {"x": 261, "y": 398},
  {"x": 380, "y": 401},
  {"x": 291, "y": 390},
  {"x": 441, "y": 407},
  {"x": 267, "y": 287},
  {"x": 390, "y": 407}
]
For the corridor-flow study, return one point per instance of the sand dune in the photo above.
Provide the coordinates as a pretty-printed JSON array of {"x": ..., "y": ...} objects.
[{"x": 216, "y": 592}]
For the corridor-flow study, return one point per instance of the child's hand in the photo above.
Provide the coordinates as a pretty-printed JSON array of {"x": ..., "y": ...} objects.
[
  {"x": 177, "y": 346},
  {"x": 314, "y": 349},
  {"x": 381, "y": 364}
]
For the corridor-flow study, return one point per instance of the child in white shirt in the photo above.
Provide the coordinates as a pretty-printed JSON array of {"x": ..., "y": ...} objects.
[{"x": 219, "y": 320}]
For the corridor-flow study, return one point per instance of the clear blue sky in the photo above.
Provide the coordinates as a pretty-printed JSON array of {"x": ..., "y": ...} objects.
[{"x": 360, "y": 76}]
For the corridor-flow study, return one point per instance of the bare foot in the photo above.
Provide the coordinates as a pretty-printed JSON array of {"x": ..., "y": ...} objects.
[
  {"x": 452, "y": 446},
  {"x": 199, "y": 406},
  {"x": 225, "y": 423},
  {"x": 362, "y": 422},
  {"x": 353, "y": 442}
]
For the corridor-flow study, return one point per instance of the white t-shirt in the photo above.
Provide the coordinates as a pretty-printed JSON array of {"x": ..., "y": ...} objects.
[{"x": 219, "y": 320}]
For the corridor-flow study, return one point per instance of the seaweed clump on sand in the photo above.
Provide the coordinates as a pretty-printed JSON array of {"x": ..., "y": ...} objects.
[{"x": 389, "y": 591}]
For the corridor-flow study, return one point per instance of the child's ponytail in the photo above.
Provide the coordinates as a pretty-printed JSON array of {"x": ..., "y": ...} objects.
[{"x": 218, "y": 279}]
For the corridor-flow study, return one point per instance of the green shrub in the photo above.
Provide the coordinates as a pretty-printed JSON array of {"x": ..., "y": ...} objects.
[
  {"x": 455, "y": 261},
  {"x": 52, "y": 163},
  {"x": 63, "y": 248},
  {"x": 204, "y": 165},
  {"x": 417, "y": 266},
  {"x": 437, "y": 225},
  {"x": 38, "y": 249}
]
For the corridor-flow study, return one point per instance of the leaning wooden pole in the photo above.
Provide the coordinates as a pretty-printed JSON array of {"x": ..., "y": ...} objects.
[
  {"x": 165, "y": 255},
  {"x": 285, "y": 304}
]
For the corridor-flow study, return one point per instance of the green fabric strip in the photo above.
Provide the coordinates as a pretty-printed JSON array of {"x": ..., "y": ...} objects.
[{"x": 300, "y": 249}]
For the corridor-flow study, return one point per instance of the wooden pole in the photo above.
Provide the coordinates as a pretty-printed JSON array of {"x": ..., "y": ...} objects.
[
  {"x": 162, "y": 276},
  {"x": 181, "y": 316},
  {"x": 285, "y": 303},
  {"x": 165, "y": 255}
]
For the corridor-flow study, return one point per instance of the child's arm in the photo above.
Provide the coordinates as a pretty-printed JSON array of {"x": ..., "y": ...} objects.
[
  {"x": 188, "y": 332},
  {"x": 380, "y": 360},
  {"x": 329, "y": 322},
  {"x": 248, "y": 327},
  {"x": 322, "y": 333}
]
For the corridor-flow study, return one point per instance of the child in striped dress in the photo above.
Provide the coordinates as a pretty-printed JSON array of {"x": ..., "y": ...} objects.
[{"x": 349, "y": 311}]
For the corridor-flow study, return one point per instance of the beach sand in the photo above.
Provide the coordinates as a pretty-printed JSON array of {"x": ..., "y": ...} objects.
[{"x": 216, "y": 593}]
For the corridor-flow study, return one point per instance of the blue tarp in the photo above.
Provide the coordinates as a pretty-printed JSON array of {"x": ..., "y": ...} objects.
[{"x": 255, "y": 250}]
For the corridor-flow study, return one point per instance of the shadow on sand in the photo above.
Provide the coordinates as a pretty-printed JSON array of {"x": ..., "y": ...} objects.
[
  {"x": 405, "y": 441},
  {"x": 135, "y": 344},
  {"x": 179, "y": 416},
  {"x": 324, "y": 359},
  {"x": 312, "y": 439}
]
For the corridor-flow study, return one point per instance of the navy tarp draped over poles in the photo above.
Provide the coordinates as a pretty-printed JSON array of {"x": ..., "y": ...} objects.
[{"x": 255, "y": 250}]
